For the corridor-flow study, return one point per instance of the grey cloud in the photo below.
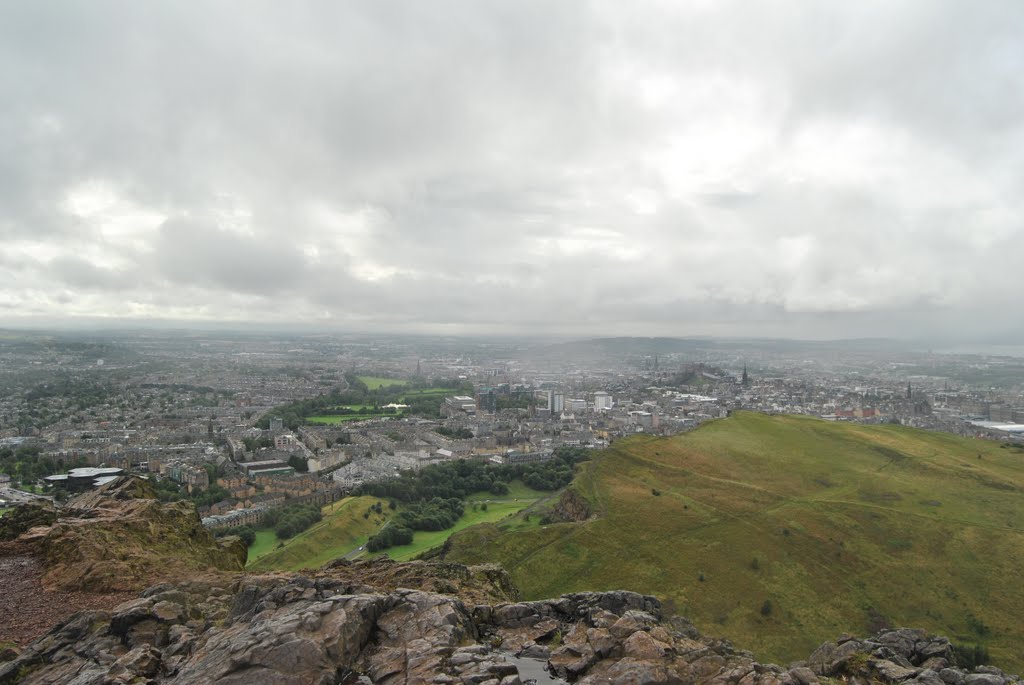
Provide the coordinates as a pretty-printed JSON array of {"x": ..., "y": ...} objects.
[
  {"x": 720, "y": 167},
  {"x": 80, "y": 273},
  {"x": 196, "y": 253}
]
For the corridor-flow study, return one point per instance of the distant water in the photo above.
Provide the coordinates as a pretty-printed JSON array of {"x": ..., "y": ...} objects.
[{"x": 986, "y": 350}]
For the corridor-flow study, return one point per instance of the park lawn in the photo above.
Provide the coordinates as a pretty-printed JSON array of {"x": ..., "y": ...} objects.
[
  {"x": 332, "y": 420},
  {"x": 343, "y": 529},
  {"x": 423, "y": 539},
  {"x": 516, "y": 490},
  {"x": 429, "y": 391},
  {"x": 266, "y": 541},
  {"x": 835, "y": 523},
  {"x": 377, "y": 382}
]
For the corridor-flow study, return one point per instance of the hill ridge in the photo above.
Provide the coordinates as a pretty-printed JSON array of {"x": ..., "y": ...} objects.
[{"x": 847, "y": 525}]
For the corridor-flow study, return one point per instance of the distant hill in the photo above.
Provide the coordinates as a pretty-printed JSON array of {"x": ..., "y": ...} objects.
[{"x": 778, "y": 532}]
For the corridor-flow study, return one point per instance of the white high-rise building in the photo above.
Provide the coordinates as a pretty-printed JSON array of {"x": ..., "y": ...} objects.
[
  {"x": 557, "y": 402},
  {"x": 575, "y": 405},
  {"x": 602, "y": 400}
]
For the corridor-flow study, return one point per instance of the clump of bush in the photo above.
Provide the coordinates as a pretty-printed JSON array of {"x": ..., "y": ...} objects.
[
  {"x": 437, "y": 514},
  {"x": 969, "y": 657},
  {"x": 290, "y": 521}
]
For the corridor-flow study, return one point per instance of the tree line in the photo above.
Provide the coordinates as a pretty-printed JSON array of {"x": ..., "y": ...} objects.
[
  {"x": 292, "y": 520},
  {"x": 461, "y": 478},
  {"x": 437, "y": 514},
  {"x": 357, "y": 393}
]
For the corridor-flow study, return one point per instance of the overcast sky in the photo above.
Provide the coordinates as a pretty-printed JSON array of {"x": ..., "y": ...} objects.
[{"x": 802, "y": 169}]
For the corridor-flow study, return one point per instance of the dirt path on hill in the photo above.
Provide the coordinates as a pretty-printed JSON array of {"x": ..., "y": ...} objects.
[{"x": 27, "y": 611}]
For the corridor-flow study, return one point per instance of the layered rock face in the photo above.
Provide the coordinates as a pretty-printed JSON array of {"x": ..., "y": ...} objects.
[{"x": 293, "y": 629}]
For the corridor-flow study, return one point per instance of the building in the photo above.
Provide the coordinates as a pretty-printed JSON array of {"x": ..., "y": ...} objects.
[
  {"x": 194, "y": 478},
  {"x": 312, "y": 440},
  {"x": 84, "y": 478},
  {"x": 253, "y": 468},
  {"x": 286, "y": 442},
  {"x": 235, "y": 519},
  {"x": 524, "y": 457},
  {"x": 602, "y": 400},
  {"x": 487, "y": 400},
  {"x": 459, "y": 404},
  {"x": 325, "y": 460},
  {"x": 556, "y": 402}
]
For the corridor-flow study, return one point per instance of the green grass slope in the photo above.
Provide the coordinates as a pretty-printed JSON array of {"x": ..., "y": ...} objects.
[
  {"x": 841, "y": 527},
  {"x": 342, "y": 529},
  {"x": 346, "y": 526}
]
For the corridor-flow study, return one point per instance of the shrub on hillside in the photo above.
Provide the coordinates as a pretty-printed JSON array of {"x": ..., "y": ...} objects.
[
  {"x": 969, "y": 657},
  {"x": 295, "y": 519}
]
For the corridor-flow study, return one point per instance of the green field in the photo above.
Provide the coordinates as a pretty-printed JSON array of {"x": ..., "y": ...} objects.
[
  {"x": 376, "y": 382},
  {"x": 429, "y": 391},
  {"x": 516, "y": 490},
  {"x": 343, "y": 529},
  {"x": 334, "y": 419},
  {"x": 843, "y": 527},
  {"x": 424, "y": 540},
  {"x": 266, "y": 541}
]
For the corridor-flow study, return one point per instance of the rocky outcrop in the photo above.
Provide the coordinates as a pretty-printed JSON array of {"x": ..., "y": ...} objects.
[
  {"x": 22, "y": 519},
  {"x": 292, "y": 629},
  {"x": 899, "y": 656},
  {"x": 571, "y": 507},
  {"x": 475, "y": 584},
  {"x": 120, "y": 537}
]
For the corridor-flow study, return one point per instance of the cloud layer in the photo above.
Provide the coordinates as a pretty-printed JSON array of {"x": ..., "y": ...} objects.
[{"x": 776, "y": 168}]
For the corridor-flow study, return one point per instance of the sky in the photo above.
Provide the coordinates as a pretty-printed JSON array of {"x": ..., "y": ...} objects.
[{"x": 784, "y": 169}]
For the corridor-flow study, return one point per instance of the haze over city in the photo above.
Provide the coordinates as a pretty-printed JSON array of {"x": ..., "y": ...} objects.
[{"x": 781, "y": 169}]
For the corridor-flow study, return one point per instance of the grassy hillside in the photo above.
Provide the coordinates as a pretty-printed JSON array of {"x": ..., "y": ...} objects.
[
  {"x": 342, "y": 529},
  {"x": 424, "y": 540},
  {"x": 781, "y": 532},
  {"x": 345, "y": 527}
]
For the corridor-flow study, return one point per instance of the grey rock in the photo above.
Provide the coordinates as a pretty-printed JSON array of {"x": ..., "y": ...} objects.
[
  {"x": 287, "y": 629},
  {"x": 891, "y": 671},
  {"x": 536, "y": 652},
  {"x": 984, "y": 679},
  {"x": 803, "y": 675},
  {"x": 928, "y": 677},
  {"x": 952, "y": 676}
]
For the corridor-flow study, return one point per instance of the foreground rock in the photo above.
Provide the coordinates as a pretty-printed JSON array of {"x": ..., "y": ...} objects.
[
  {"x": 328, "y": 629},
  {"x": 118, "y": 538},
  {"x": 484, "y": 584}
]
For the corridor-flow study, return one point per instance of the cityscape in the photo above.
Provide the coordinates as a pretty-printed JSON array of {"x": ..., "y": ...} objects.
[{"x": 201, "y": 409}]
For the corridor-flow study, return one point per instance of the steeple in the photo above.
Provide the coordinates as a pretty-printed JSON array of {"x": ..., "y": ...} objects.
[
  {"x": 746, "y": 378},
  {"x": 910, "y": 392}
]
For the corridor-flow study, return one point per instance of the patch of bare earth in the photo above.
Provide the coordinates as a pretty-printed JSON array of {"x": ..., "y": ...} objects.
[{"x": 29, "y": 611}]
